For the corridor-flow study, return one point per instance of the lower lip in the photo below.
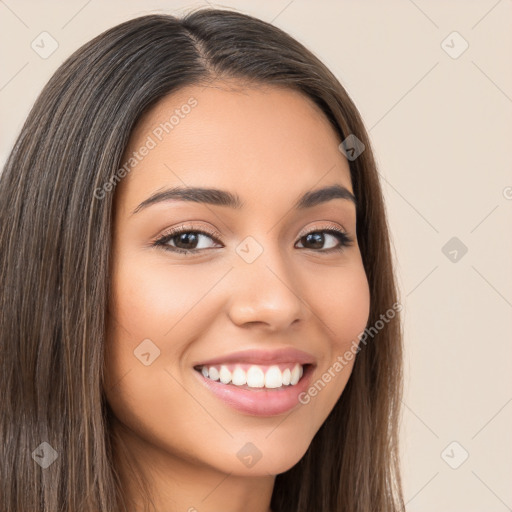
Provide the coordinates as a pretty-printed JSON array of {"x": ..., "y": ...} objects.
[{"x": 260, "y": 401}]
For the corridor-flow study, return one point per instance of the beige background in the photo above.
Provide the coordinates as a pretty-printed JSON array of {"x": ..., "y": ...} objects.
[{"x": 442, "y": 131}]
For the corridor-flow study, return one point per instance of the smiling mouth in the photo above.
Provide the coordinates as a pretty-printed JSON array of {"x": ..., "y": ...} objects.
[{"x": 253, "y": 376}]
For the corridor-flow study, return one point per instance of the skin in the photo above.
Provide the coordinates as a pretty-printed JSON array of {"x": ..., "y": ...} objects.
[{"x": 269, "y": 145}]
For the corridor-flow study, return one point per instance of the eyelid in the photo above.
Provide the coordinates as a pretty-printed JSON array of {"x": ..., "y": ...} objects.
[
  {"x": 185, "y": 228},
  {"x": 217, "y": 235},
  {"x": 322, "y": 227}
]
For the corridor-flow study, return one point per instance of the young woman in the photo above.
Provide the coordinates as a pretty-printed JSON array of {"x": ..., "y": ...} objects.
[{"x": 198, "y": 304}]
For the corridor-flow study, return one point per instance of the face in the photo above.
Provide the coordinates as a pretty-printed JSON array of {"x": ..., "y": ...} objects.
[{"x": 194, "y": 283}]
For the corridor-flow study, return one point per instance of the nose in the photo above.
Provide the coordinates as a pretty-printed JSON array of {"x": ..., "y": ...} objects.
[{"x": 266, "y": 292}]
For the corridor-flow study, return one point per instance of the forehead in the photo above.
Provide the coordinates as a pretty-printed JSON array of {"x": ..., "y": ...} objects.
[{"x": 262, "y": 141}]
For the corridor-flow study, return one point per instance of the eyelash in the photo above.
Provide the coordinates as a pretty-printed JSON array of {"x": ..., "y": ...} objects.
[{"x": 344, "y": 238}]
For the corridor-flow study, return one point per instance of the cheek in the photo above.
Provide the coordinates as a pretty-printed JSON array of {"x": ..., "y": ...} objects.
[
  {"x": 157, "y": 309},
  {"x": 342, "y": 301},
  {"x": 156, "y": 313},
  {"x": 343, "y": 310},
  {"x": 156, "y": 301}
]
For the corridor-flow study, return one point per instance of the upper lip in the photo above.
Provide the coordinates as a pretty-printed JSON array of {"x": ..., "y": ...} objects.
[{"x": 263, "y": 357}]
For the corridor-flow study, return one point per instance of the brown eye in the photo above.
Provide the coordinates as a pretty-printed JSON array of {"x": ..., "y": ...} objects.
[
  {"x": 185, "y": 240},
  {"x": 316, "y": 240}
]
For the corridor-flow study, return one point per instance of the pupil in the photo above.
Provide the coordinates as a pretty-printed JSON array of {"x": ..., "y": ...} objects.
[
  {"x": 184, "y": 236},
  {"x": 317, "y": 239}
]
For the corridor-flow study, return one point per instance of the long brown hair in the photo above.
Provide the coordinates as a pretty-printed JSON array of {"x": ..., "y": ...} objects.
[{"x": 55, "y": 240}]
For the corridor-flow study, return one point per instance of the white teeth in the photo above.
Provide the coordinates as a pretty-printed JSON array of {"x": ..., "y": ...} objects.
[
  {"x": 273, "y": 377},
  {"x": 295, "y": 375},
  {"x": 213, "y": 373},
  {"x": 239, "y": 378},
  {"x": 255, "y": 377},
  {"x": 224, "y": 375}
]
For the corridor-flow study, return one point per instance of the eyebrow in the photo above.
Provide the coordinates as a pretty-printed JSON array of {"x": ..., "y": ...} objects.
[{"x": 219, "y": 197}]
